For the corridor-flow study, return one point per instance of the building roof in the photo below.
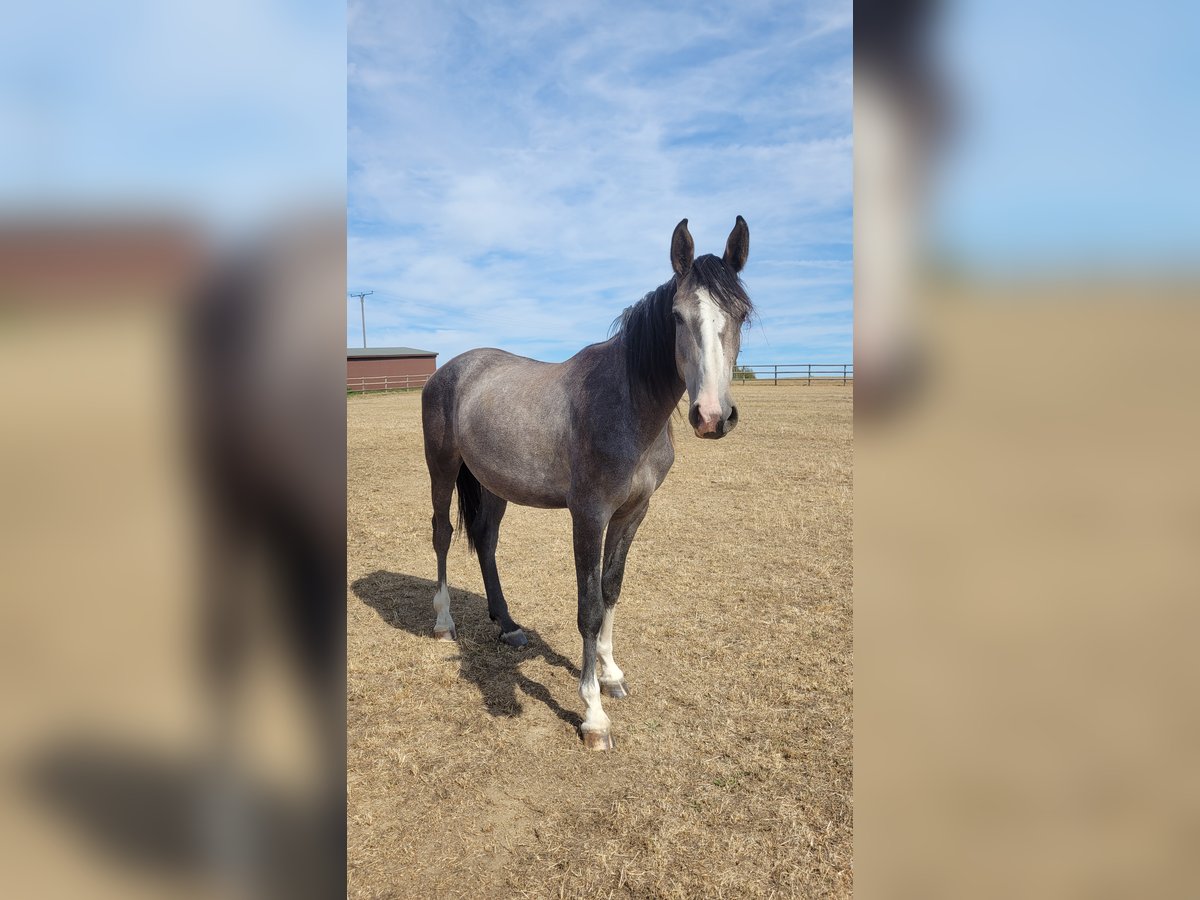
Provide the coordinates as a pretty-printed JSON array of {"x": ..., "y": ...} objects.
[{"x": 386, "y": 352}]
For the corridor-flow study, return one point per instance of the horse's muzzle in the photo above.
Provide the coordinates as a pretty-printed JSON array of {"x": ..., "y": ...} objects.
[{"x": 713, "y": 427}]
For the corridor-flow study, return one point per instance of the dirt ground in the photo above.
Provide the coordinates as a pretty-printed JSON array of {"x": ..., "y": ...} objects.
[{"x": 732, "y": 771}]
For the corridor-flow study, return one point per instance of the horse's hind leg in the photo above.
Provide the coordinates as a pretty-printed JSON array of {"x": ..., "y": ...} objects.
[
  {"x": 443, "y": 490},
  {"x": 486, "y": 536}
]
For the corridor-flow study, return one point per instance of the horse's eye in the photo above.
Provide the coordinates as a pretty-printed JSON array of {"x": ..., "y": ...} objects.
[{"x": 678, "y": 316}]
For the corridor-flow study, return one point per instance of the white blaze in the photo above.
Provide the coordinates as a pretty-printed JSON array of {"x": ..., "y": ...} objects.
[{"x": 713, "y": 370}]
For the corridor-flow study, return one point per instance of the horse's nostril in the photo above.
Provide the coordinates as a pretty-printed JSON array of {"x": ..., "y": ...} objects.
[
  {"x": 694, "y": 415},
  {"x": 732, "y": 416}
]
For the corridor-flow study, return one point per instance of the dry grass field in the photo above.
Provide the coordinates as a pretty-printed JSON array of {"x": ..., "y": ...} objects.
[{"x": 732, "y": 771}]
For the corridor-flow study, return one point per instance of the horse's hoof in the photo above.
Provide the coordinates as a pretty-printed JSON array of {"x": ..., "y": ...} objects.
[
  {"x": 615, "y": 689},
  {"x": 597, "y": 740},
  {"x": 445, "y": 634},
  {"x": 515, "y": 639}
]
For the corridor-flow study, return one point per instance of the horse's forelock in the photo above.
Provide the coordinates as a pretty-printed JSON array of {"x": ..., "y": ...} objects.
[{"x": 723, "y": 285}]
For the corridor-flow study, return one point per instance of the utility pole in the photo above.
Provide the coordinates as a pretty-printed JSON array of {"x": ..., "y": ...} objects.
[{"x": 363, "y": 309}]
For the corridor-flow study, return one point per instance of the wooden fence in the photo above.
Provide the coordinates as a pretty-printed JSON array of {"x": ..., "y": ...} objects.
[
  {"x": 792, "y": 373},
  {"x": 770, "y": 373},
  {"x": 363, "y": 384}
]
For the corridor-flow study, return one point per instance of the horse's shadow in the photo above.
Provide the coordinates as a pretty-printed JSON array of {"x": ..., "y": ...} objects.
[
  {"x": 151, "y": 808},
  {"x": 405, "y": 601}
]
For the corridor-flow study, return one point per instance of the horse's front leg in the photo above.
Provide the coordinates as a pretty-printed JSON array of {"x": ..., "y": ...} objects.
[
  {"x": 589, "y": 536},
  {"x": 621, "y": 531}
]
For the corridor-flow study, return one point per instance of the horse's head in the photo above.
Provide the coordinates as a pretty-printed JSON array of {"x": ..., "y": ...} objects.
[{"x": 711, "y": 306}]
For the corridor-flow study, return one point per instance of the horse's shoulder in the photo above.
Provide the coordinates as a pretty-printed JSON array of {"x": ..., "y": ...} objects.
[{"x": 662, "y": 453}]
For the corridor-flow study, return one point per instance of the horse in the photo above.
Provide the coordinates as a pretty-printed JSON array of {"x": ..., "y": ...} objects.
[{"x": 592, "y": 435}]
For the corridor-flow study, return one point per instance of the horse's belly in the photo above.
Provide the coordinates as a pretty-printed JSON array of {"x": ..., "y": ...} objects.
[
  {"x": 521, "y": 465},
  {"x": 525, "y": 483}
]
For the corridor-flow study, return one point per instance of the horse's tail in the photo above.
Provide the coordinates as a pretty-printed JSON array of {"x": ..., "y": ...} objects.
[{"x": 470, "y": 501}]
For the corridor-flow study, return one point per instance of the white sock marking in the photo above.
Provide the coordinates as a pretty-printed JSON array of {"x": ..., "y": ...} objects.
[
  {"x": 611, "y": 672},
  {"x": 441, "y": 603},
  {"x": 595, "y": 718}
]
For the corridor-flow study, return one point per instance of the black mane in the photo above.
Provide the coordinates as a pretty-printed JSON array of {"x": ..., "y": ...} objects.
[
  {"x": 647, "y": 332},
  {"x": 647, "y": 328}
]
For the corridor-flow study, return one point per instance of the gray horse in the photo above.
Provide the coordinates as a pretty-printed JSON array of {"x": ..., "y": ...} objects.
[{"x": 591, "y": 434}]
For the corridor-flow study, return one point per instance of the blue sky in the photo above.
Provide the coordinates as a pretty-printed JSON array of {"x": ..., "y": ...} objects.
[
  {"x": 231, "y": 112},
  {"x": 516, "y": 170},
  {"x": 1076, "y": 136}
]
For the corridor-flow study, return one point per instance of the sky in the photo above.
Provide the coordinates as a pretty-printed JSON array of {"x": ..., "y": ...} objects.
[
  {"x": 516, "y": 170},
  {"x": 228, "y": 112},
  {"x": 1075, "y": 134}
]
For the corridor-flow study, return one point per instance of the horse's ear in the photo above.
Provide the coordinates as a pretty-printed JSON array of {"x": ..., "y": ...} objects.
[
  {"x": 682, "y": 249},
  {"x": 737, "y": 248}
]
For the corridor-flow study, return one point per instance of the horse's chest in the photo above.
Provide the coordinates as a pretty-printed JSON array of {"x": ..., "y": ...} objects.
[{"x": 652, "y": 469}]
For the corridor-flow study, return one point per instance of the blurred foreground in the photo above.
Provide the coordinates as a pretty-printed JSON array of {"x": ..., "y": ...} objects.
[
  {"x": 172, "y": 466},
  {"x": 1027, "y": 499},
  {"x": 171, "y": 460},
  {"x": 1025, "y": 603}
]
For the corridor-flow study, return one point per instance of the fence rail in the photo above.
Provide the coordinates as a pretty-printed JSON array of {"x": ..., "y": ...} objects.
[
  {"x": 364, "y": 384},
  {"x": 773, "y": 373},
  {"x": 793, "y": 372}
]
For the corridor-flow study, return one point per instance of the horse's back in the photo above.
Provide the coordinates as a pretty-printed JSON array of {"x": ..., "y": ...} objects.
[{"x": 485, "y": 371}]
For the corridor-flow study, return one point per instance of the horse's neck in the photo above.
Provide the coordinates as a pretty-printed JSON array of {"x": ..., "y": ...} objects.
[{"x": 648, "y": 413}]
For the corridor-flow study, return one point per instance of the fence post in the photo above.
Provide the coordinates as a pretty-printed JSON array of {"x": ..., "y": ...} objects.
[
  {"x": 776, "y": 376},
  {"x": 809, "y": 374},
  {"x": 843, "y": 374}
]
